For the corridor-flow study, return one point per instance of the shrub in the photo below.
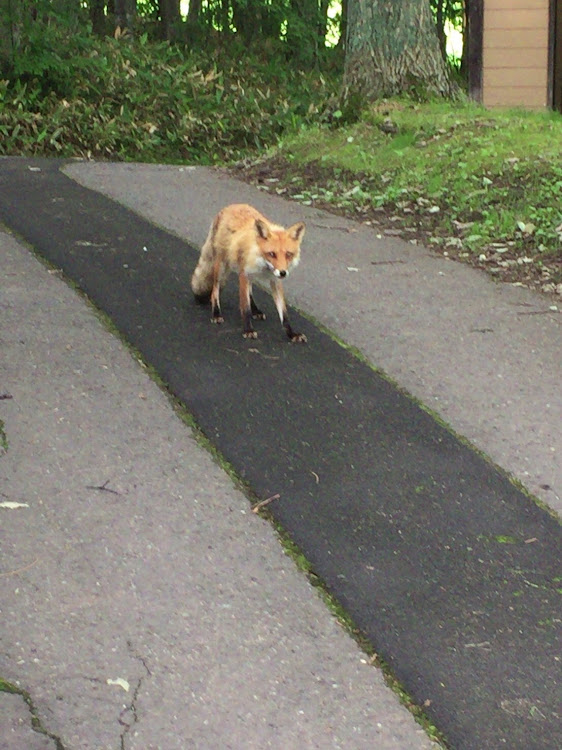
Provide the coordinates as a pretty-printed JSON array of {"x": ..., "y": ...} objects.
[{"x": 139, "y": 100}]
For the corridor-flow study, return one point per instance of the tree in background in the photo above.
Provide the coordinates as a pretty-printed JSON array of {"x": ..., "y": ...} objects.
[
  {"x": 93, "y": 77},
  {"x": 392, "y": 47},
  {"x": 306, "y": 30},
  {"x": 97, "y": 16},
  {"x": 389, "y": 46},
  {"x": 125, "y": 12},
  {"x": 448, "y": 14},
  {"x": 6, "y": 32},
  {"x": 40, "y": 34},
  {"x": 170, "y": 18}
]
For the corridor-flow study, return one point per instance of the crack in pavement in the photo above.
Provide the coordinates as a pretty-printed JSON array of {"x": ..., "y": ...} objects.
[
  {"x": 131, "y": 709},
  {"x": 36, "y": 724}
]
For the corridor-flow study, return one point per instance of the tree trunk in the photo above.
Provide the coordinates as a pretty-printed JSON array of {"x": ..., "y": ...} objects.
[
  {"x": 224, "y": 16},
  {"x": 97, "y": 16},
  {"x": 7, "y": 30},
  {"x": 392, "y": 48},
  {"x": 193, "y": 26},
  {"x": 323, "y": 8},
  {"x": 125, "y": 13},
  {"x": 440, "y": 26},
  {"x": 247, "y": 20},
  {"x": 170, "y": 18},
  {"x": 471, "y": 65},
  {"x": 302, "y": 31},
  {"x": 342, "y": 41}
]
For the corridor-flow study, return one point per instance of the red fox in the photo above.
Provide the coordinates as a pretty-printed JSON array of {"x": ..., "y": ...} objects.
[{"x": 241, "y": 239}]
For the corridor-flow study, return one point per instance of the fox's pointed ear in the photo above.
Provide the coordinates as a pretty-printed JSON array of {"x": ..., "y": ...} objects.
[
  {"x": 261, "y": 229},
  {"x": 296, "y": 232}
]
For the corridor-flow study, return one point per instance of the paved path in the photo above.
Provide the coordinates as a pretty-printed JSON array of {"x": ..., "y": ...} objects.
[
  {"x": 410, "y": 528},
  {"x": 135, "y": 558},
  {"x": 486, "y": 357}
]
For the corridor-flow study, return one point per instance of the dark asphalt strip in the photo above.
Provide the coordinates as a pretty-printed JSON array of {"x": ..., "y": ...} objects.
[{"x": 451, "y": 572}]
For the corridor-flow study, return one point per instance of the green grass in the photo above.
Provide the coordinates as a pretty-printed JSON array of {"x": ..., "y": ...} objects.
[
  {"x": 7, "y": 687},
  {"x": 36, "y": 725},
  {"x": 471, "y": 179},
  {"x": 3, "y": 439}
]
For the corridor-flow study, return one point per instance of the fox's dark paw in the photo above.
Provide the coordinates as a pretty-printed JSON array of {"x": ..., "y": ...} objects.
[
  {"x": 218, "y": 319},
  {"x": 250, "y": 334},
  {"x": 298, "y": 338},
  {"x": 202, "y": 299}
]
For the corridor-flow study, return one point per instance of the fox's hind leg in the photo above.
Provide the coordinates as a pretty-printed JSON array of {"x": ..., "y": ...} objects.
[
  {"x": 215, "y": 293},
  {"x": 257, "y": 314}
]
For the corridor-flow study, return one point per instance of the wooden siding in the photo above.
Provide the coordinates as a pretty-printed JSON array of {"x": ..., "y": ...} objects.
[
  {"x": 556, "y": 72},
  {"x": 515, "y": 53}
]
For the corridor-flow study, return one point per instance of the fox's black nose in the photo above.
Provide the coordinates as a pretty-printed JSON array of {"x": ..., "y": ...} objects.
[{"x": 282, "y": 273}]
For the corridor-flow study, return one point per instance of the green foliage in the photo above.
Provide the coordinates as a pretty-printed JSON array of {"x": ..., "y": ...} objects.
[
  {"x": 139, "y": 100},
  {"x": 3, "y": 450},
  {"x": 67, "y": 92},
  {"x": 44, "y": 38},
  {"x": 478, "y": 183}
]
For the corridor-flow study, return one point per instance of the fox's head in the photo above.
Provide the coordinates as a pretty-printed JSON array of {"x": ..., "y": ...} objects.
[{"x": 280, "y": 247}]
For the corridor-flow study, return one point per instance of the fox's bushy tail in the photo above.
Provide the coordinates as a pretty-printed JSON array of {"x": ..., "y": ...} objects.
[{"x": 202, "y": 279}]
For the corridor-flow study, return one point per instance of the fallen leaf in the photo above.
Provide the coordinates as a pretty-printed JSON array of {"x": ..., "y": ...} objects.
[
  {"x": 11, "y": 505},
  {"x": 120, "y": 682},
  {"x": 526, "y": 228}
]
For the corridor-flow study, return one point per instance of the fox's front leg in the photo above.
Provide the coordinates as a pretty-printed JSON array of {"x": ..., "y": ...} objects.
[
  {"x": 279, "y": 299},
  {"x": 246, "y": 310}
]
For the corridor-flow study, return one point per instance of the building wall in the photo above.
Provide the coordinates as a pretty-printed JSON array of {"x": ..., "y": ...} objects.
[
  {"x": 515, "y": 53},
  {"x": 557, "y": 58}
]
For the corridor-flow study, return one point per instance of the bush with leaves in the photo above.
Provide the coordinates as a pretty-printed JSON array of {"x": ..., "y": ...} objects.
[{"x": 140, "y": 100}]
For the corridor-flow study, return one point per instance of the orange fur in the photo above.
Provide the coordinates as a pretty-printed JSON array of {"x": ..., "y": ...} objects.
[{"x": 244, "y": 241}]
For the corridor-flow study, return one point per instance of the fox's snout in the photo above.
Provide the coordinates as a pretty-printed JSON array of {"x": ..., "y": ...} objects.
[{"x": 279, "y": 273}]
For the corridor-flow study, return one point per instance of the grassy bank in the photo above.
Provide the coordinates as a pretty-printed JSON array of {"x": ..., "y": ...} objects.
[{"x": 482, "y": 186}]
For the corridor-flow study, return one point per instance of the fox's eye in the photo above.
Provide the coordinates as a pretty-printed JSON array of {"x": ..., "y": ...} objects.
[
  {"x": 290, "y": 256},
  {"x": 271, "y": 254}
]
